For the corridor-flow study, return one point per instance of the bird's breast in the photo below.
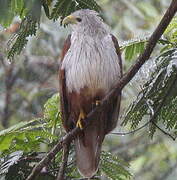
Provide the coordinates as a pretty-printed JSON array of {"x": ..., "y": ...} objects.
[{"x": 91, "y": 63}]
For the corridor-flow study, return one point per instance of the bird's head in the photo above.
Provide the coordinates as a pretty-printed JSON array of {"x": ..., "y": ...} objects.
[{"x": 85, "y": 20}]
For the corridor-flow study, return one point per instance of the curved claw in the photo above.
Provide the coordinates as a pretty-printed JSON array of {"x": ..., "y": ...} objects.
[
  {"x": 79, "y": 124},
  {"x": 79, "y": 121}
]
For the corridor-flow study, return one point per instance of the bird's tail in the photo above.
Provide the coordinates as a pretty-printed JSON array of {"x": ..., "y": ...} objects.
[{"x": 88, "y": 149}]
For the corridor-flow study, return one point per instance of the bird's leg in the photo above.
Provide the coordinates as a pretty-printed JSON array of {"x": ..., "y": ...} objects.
[{"x": 81, "y": 117}]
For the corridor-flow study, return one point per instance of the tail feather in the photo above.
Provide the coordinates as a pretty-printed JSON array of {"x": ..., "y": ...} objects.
[{"x": 88, "y": 149}]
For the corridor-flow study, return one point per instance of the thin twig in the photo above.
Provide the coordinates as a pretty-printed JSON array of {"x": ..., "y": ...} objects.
[
  {"x": 95, "y": 177},
  {"x": 113, "y": 93},
  {"x": 164, "y": 132},
  {"x": 131, "y": 132},
  {"x": 64, "y": 162}
]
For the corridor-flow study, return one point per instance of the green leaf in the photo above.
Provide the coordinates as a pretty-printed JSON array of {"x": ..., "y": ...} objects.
[
  {"x": 17, "y": 6},
  {"x": 133, "y": 48},
  {"x": 28, "y": 135},
  {"x": 170, "y": 36},
  {"x": 52, "y": 113},
  {"x": 6, "y": 15},
  {"x": 46, "y": 9},
  {"x": 130, "y": 52}
]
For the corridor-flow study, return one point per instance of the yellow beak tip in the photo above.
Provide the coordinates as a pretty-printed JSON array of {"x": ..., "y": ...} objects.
[{"x": 69, "y": 20}]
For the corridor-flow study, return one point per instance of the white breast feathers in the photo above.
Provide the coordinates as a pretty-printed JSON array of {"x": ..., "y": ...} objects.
[{"x": 91, "y": 62}]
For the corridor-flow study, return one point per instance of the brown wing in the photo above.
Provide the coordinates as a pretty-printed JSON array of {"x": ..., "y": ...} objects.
[
  {"x": 114, "y": 106},
  {"x": 64, "y": 105},
  {"x": 116, "y": 45}
]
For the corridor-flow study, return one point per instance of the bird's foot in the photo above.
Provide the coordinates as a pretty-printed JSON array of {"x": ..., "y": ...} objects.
[{"x": 79, "y": 121}]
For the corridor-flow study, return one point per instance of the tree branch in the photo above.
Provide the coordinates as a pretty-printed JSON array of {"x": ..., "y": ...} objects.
[
  {"x": 113, "y": 93},
  {"x": 45, "y": 161},
  {"x": 64, "y": 162}
]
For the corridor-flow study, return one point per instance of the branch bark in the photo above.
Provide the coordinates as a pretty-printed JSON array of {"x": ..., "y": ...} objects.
[
  {"x": 120, "y": 85},
  {"x": 64, "y": 162}
]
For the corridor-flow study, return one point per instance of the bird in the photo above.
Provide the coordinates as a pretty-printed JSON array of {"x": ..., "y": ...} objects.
[{"x": 90, "y": 66}]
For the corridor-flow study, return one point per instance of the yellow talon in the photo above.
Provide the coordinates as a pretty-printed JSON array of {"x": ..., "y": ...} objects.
[
  {"x": 79, "y": 122},
  {"x": 97, "y": 102}
]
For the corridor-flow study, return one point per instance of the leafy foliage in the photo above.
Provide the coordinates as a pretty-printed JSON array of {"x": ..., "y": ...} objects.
[
  {"x": 28, "y": 28},
  {"x": 170, "y": 36},
  {"x": 113, "y": 167},
  {"x": 133, "y": 48},
  {"x": 10, "y": 161},
  {"x": 28, "y": 25},
  {"x": 51, "y": 113},
  {"x": 63, "y": 8},
  {"x": 30, "y": 13},
  {"x": 26, "y": 137},
  {"x": 18, "y": 165},
  {"x": 158, "y": 96}
]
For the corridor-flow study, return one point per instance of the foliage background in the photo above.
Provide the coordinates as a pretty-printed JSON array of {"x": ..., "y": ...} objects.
[{"x": 27, "y": 82}]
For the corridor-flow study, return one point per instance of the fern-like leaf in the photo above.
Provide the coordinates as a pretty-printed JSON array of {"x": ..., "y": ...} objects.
[
  {"x": 113, "y": 167},
  {"x": 158, "y": 97},
  {"x": 10, "y": 161},
  {"x": 63, "y": 8},
  {"x": 25, "y": 136},
  {"x": 28, "y": 28}
]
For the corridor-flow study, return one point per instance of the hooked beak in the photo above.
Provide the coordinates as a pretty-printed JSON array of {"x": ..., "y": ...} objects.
[{"x": 69, "y": 20}]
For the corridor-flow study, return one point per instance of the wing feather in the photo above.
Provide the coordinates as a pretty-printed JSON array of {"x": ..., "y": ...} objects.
[
  {"x": 64, "y": 105},
  {"x": 116, "y": 45},
  {"x": 114, "y": 106}
]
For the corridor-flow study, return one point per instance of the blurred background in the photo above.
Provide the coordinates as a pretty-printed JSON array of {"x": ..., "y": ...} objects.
[{"x": 27, "y": 83}]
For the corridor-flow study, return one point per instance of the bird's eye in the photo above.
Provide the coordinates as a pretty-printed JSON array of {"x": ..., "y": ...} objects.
[{"x": 79, "y": 19}]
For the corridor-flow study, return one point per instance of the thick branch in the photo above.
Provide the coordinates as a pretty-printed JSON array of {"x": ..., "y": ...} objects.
[{"x": 120, "y": 85}]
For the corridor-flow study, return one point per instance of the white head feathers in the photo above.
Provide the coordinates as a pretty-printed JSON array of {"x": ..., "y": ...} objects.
[{"x": 90, "y": 22}]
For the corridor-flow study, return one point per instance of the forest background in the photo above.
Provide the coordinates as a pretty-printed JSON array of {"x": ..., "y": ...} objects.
[{"x": 30, "y": 121}]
